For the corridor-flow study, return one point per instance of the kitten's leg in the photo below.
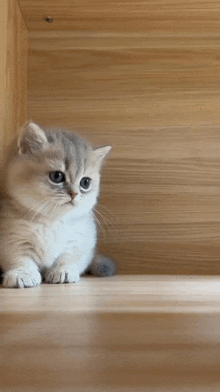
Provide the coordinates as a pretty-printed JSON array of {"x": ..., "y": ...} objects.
[
  {"x": 67, "y": 268},
  {"x": 25, "y": 274}
]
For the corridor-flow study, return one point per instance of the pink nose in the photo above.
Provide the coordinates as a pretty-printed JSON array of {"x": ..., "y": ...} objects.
[{"x": 72, "y": 194}]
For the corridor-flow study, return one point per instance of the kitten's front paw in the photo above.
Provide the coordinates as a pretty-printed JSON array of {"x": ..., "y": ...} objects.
[
  {"x": 21, "y": 279},
  {"x": 61, "y": 275}
]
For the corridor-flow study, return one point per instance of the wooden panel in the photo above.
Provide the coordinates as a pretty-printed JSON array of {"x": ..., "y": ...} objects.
[
  {"x": 125, "y": 81},
  {"x": 122, "y": 15},
  {"x": 13, "y": 75},
  {"x": 115, "y": 334},
  {"x": 149, "y": 87}
]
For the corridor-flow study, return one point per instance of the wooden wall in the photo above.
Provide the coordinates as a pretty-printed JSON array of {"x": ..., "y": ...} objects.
[
  {"x": 13, "y": 72},
  {"x": 143, "y": 76}
]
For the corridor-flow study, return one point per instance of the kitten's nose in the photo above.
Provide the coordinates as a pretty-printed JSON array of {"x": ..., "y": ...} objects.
[{"x": 72, "y": 194}]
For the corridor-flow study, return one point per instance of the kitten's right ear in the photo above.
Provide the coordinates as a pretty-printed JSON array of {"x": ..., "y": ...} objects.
[{"x": 31, "y": 139}]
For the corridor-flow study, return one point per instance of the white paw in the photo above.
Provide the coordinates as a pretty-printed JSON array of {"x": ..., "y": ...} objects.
[
  {"x": 21, "y": 279},
  {"x": 61, "y": 275}
]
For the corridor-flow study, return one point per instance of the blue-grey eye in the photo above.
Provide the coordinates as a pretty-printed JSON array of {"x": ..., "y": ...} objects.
[
  {"x": 85, "y": 183},
  {"x": 57, "y": 176}
]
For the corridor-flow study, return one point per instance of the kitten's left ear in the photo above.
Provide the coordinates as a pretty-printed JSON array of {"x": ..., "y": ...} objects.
[
  {"x": 31, "y": 139},
  {"x": 100, "y": 154}
]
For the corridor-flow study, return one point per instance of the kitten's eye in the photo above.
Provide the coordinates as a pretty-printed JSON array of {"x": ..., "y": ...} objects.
[
  {"x": 85, "y": 183},
  {"x": 57, "y": 176}
]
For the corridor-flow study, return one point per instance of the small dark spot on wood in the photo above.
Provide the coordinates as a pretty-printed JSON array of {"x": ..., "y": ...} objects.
[{"x": 48, "y": 19}]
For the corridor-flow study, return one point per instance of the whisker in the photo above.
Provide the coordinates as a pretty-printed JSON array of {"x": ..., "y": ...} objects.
[
  {"x": 109, "y": 211},
  {"x": 112, "y": 227},
  {"x": 114, "y": 218},
  {"x": 44, "y": 204},
  {"x": 110, "y": 214},
  {"x": 41, "y": 204},
  {"x": 105, "y": 220},
  {"x": 99, "y": 223},
  {"x": 53, "y": 208}
]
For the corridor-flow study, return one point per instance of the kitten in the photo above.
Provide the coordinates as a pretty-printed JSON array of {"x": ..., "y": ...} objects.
[{"x": 47, "y": 224}]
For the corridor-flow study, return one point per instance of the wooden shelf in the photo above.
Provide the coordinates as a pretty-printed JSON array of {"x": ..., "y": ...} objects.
[
  {"x": 142, "y": 333},
  {"x": 143, "y": 77}
]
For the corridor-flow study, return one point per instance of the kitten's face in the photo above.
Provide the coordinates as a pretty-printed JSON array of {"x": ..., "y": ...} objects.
[{"x": 55, "y": 172}]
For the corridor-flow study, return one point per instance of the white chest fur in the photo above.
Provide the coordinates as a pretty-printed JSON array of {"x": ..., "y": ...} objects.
[{"x": 64, "y": 235}]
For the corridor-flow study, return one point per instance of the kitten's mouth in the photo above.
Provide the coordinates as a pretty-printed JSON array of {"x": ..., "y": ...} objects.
[{"x": 69, "y": 202}]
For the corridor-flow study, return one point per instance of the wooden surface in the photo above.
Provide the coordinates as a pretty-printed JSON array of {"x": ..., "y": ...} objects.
[
  {"x": 13, "y": 72},
  {"x": 143, "y": 76},
  {"x": 122, "y": 15},
  {"x": 121, "y": 334}
]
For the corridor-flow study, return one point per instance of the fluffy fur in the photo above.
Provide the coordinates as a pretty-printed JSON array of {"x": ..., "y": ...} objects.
[{"x": 48, "y": 229}]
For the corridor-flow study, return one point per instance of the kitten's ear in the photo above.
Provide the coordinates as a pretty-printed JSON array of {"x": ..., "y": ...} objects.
[
  {"x": 31, "y": 139},
  {"x": 100, "y": 154}
]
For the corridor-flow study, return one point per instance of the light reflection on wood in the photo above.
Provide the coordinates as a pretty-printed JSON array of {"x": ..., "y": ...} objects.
[{"x": 142, "y": 333}]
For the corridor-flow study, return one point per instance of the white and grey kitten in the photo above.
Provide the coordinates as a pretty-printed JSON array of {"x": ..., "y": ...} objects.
[{"x": 47, "y": 226}]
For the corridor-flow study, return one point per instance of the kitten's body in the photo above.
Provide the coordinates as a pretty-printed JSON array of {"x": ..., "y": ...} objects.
[
  {"x": 48, "y": 228},
  {"x": 43, "y": 243}
]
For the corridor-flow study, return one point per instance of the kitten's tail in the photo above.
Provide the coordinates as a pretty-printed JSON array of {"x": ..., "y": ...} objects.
[{"x": 102, "y": 266}]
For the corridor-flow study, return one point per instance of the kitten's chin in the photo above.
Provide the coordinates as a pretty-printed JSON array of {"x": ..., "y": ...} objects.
[{"x": 76, "y": 210}]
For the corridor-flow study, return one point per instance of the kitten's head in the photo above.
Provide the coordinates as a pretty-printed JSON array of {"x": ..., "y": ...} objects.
[{"x": 55, "y": 172}]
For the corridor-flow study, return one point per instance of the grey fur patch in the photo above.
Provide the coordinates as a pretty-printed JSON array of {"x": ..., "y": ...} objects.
[
  {"x": 102, "y": 266},
  {"x": 73, "y": 148}
]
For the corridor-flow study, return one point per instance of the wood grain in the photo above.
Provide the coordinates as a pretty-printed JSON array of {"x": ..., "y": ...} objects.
[
  {"x": 122, "y": 15},
  {"x": 116, "y": 334},
  {"x": 124, "y": 81},
  {"x": 13, "y": 75},
  {"x": 144, "y": 77}
]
